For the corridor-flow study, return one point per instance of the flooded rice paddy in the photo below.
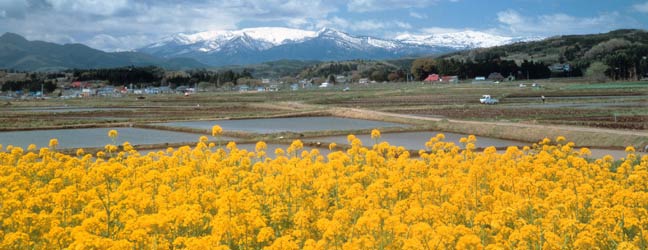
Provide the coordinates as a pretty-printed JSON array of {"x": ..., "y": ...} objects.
[
  {"x": 98, "y": 137},
  {"x": 417, "y": 140},
  {"x": 94, "y": 137},
  {"x": 293, "y": 124}
]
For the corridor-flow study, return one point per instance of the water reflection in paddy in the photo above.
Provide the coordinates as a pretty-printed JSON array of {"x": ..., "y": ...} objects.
[
  {"x": 95, "y": 137},
  {"x": 292, "y": 124},
  {"x": 416, "y": 140}
]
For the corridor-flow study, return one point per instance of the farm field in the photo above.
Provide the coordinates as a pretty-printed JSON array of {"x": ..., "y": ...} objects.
[
  {"x": 169, "y": 177},
  {"x": 592, "y": 105}
]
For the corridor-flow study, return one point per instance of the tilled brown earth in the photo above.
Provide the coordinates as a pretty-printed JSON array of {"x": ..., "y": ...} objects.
[
  {"x": 591, "y": 117},
  {"x": 621, "y": 122},
  {"x": 490, "y": 112},
  {"x": 44, "y": 119}
]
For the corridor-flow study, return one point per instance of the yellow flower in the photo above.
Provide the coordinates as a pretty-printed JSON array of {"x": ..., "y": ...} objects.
[
  {"x": 363, "y": 198},
  {"x": 202, "y": 139},
  {"x": 265, "y": 234},
  {"x": 630, "y": 149},
  {"x": 260, "y": 146},
  {"x": 112, "y": 133},
  {"x": 375, "y": 134},
  {"x": 332, "y": 146},
  {"x": 110, "y": 148},
  {"x": 217, "y": 130},
  {"x": 53, "y": 143},
  {"x": 127, "y": 146}
]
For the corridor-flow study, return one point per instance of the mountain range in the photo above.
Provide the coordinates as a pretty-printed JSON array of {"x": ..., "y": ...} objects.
[
  {"x": 256, "y": 45},
  {"x": 240, "y": 47},
  {"x": 20, "y": 54}
]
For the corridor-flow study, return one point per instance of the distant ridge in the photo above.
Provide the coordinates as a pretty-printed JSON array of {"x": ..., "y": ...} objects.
[
  {"x": 18, "y": 53},
  {"x": 578, "y": 50}
]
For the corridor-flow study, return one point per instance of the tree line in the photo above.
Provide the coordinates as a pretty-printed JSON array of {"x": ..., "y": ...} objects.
[
  {"x": 156, "y": 76},
  {"x": 423, "y": 67},
  {"x": 31, "y": 85}
]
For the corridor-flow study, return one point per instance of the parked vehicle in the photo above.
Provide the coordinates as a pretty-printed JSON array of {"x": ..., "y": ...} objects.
[{"x": 487, "y": 99}]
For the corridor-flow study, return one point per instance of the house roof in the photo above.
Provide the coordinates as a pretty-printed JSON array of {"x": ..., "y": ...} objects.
[{"x": 432, "y": 77}]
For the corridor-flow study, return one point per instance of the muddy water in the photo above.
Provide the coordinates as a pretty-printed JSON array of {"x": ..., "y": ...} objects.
[
  {"x": 293, "y": 124},
  {"x": 416, "y": 140},
  {"x": 94, "y": 137},
  {"x": 616, "y": 154}
]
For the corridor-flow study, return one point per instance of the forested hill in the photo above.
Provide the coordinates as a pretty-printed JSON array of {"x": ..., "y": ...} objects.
[
  {"x": 18, "y": 53},
  {"x": 620, "y": 53}
]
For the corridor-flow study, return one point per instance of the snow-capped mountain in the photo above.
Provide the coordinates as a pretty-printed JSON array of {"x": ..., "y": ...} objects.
[
  {"x": 256, "y": 45},
  {"x": 462, "y": 40},
  {"x": 259, "y": 38}
]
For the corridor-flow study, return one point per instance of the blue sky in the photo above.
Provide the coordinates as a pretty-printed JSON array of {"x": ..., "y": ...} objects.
[{"x": 127, "y": 24}]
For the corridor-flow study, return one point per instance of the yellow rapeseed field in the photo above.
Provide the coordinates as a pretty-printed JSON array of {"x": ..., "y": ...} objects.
[{"x": 548, "y": 196}]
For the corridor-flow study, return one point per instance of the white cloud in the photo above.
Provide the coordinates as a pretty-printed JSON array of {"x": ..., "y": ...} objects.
[
  {"x": 127, "y": 24},
  {"x": 512, "y": 22},
  {"x": 368, "y": 25},
  {"x": 121, "y": 43},
  {"x": 402, "y": 25},
  {"x": 133, "y": 23},
  {"x": 417, "y": 15},
  {"x": 278, "y": 9},
  {"x": 13, "y": 8},
  {"x": 641, "y": 7},
  {"x": 95, "y": 7},
  {"x": 333, "y": 22},
  {"x": 379, "y": 28},
  {"x": 377, "y": 5},
  {"x": 435, "y": 30}
]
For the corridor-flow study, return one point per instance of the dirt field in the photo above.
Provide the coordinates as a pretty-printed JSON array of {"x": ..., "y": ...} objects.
[{"x": 569, "y": 107}]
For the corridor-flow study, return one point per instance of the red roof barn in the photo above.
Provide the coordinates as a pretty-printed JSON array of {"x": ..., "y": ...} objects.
[{"x": 432, "y": 78}]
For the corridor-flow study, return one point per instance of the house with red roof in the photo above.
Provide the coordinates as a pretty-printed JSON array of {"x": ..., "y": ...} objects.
[{"x": 432, "y": 78}]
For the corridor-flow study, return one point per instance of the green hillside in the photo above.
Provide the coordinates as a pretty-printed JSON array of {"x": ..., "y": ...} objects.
[{"x": 622, "y": 52}]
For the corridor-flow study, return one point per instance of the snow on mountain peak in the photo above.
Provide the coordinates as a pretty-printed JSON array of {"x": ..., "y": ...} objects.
[
  {"x": 278, "y": 35},
  {"x": 460, "y": 40},
  {"x": 244, "y": 45},
  {"x": 273, "y": 35}
]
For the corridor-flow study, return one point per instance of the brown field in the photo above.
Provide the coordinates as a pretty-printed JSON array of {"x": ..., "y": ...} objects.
[{"x": 570, "y": 108}]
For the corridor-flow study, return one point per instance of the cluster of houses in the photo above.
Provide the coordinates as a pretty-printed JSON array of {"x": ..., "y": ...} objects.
[
  {"x": 443, "y": 79},
  {"x": 494, "y": 77},
  {"x": 79, "y": 89}
]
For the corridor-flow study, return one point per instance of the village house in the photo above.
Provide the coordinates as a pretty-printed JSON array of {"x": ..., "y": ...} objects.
[
  {"x": 432, "y": 78},
  {"x": 340, "y": 79},
  {"x": 450, "y": 79},
  {"x": 243, "y": 88}
]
